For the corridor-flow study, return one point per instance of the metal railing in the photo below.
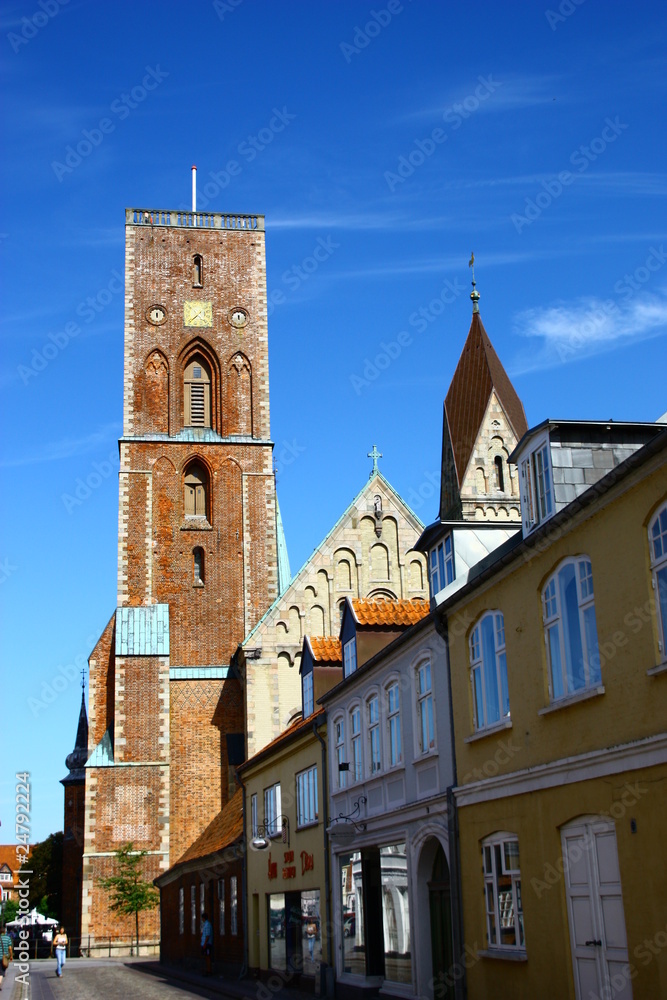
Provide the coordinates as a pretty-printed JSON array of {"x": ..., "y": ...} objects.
[{"x": 193, "y": 220}]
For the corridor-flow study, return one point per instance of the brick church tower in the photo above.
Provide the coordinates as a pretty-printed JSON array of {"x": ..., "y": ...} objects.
[{"x": 197, "y": 547}]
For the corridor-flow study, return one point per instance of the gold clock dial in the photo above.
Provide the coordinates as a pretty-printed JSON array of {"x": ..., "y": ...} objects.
[
  {"x": 156, "y": 315},
  {"x": 198, "y": 313}
]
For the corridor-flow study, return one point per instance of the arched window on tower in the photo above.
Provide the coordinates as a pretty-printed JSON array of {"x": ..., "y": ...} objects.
[
  {"x": 197, "y": 394},
  {"x": 500, "y": 479},
  {"x": 197, "y": 271},
  {"x": 198, "y": 566},
  {"x": 195, "y": 499}
]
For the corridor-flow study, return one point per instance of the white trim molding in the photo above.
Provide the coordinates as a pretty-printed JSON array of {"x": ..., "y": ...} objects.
[{"x": 647, "y": 752}]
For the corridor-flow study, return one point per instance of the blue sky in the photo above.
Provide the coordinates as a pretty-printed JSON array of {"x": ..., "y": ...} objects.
[{"x": 397, "y": 136}]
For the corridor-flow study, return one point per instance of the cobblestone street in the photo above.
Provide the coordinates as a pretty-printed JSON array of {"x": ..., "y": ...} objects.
[{"x": 89, "y": 979}]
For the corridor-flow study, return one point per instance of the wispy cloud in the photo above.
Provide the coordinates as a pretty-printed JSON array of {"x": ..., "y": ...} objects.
[
  {"x": 55, "y": 451},
  {"x": 513, "y": 92},
  {"x": 568, "y": 332}
]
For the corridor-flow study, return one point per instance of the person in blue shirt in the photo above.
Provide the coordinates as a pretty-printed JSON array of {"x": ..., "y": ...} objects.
[{"x": 206, "y": 942}]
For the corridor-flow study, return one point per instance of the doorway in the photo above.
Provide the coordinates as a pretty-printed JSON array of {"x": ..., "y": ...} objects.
[{"x": 440, "y": 907}]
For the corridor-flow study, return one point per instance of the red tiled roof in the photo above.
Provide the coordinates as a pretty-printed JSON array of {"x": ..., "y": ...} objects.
[
  {"x": 478, "y": 372},
  {"x": 221, "y": 831},
  {"x": 8, "y": 857},
  {"x": 325, "y": 649},
  {"x": 389, "y": 612}
]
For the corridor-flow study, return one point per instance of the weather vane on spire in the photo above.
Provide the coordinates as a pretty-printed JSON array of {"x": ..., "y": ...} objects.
[
  {"x": 474, "y": 295},
  {"x": 374, "y": 454},
  {"x": 83, "y": 678}
]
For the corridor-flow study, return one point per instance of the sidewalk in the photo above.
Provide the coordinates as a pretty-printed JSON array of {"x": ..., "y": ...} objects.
[{"x": 240, "y": 989}]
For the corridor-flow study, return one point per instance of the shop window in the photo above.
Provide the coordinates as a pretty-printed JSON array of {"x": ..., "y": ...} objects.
[
  {"x": 181, "y": 910},
  {"x": 233, "y": 905},
  {"x": 193, "y": 909},
  {"x": 221, "y": 905}
]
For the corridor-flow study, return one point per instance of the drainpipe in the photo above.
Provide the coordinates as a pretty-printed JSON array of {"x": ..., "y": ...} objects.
[
  {"x": 244, "y": 883},
  {"x": 325, "y": 824},
  {"x": 461, "y": 987}
]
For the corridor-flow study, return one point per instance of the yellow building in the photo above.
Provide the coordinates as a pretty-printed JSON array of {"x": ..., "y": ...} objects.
[
  {"x": 559, "y": 690},
  {"x": 287, "y": 862}
]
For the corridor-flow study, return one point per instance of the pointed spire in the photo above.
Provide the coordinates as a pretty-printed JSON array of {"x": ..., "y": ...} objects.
[
  {"x": 474, "y": 295},
  {"x": 76, "y": 760}
]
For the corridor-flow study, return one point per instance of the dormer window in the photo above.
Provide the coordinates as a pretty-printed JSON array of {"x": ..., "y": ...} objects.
[
  {"x": 197, "y": 271},
  {"x": 349, "y": 657},
  {"x": 441, "y": 565},
  {"x": 307, "y": 691},
  {"x": 537, "y": 499}
]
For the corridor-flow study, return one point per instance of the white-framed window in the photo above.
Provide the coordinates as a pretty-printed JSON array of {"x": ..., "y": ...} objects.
[
  {"x": 306, "y": 796},
  {"x": 657, "y": 534},
  {"x": 341, "y": 757},
  {"x": 221, "y": 904},
  {"x": 568, "y": 608},
  {"x": 272, "y": 810},
  {"x": 193, "y": 909},
  {"x": 374, "y": 752},
  {"x": 441, "y": 565},
  {"x": 356, "y": 766},
  {"x": 233, "y": 905},
  {"x": 488, "y": 670},
  {"x": 425, "y": 724},
  {"x": 253, "y": 815},
  {"x": 502, "y": 892},
  {"x": 307, "y": 692},
  {"x": 394, "y": 724},
  {"x": 349, "y": 657},
  {"x": 181, "y": 910},
  {"x": 537, "y": 499}
]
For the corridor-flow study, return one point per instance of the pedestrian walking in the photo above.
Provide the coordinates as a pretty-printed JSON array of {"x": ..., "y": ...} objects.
[
  {"x": 60, "y": 945},
  {"x": 6, "y": 952},
  {"x": 206, "y": 942}
]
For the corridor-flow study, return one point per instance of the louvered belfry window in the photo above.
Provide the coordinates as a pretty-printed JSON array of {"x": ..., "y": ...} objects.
[{"x": 197, "y": 384}]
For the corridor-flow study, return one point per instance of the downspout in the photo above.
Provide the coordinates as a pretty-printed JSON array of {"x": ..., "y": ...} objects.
[
  {"x": 325, "y": 824},
  {"x": 244, "y": 883},
  {"x": 461, "y": 987}
]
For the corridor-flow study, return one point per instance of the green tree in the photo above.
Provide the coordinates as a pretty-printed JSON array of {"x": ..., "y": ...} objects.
[
  {"x": 9, "y": 910},
  {"x": 130, "y": 892},
  {"x": 46, "y": 864}
]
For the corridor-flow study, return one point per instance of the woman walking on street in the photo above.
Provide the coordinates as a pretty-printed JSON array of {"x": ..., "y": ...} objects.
[{"x": 60, "y": 944}]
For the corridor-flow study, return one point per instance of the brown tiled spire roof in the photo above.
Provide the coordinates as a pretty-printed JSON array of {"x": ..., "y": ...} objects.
[{"x": 478, "y": 372}]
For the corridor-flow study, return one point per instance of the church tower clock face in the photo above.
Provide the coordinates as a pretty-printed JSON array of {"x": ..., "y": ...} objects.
[{"x": 156, "y": 315}]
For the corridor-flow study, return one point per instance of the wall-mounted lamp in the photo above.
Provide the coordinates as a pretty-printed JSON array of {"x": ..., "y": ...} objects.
[
  {"x": 265, "y": 832},
  {"x": 344, "y": 828}
]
